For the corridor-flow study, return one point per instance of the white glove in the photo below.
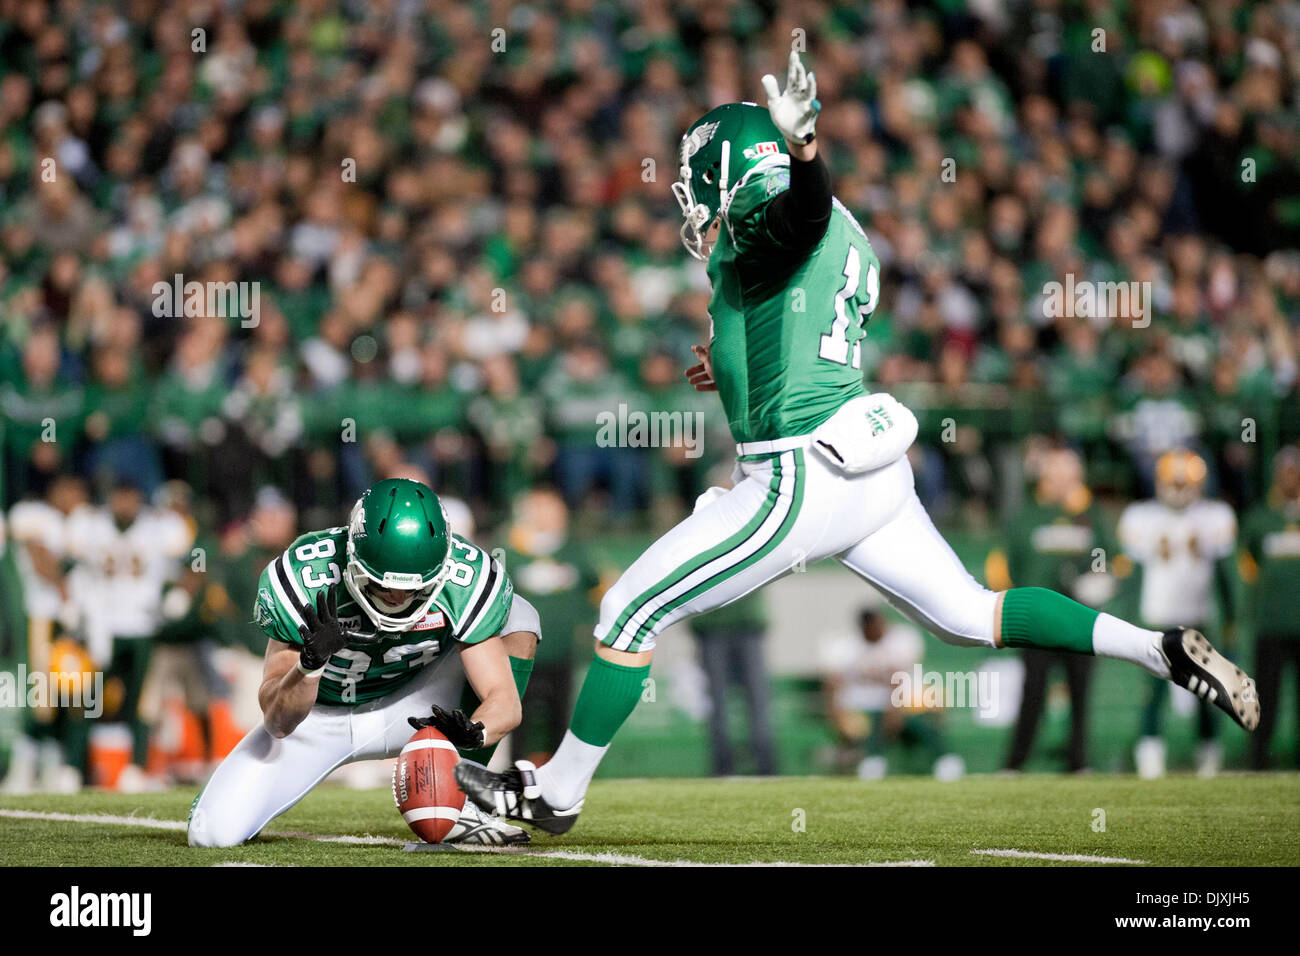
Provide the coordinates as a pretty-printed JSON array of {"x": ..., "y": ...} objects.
[{"x": 795, "y": 111}]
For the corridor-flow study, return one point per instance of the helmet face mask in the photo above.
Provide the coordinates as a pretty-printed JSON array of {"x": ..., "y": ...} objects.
[
  {"x": 718, "y": 153},
  {"x": 398, "y": 543}
]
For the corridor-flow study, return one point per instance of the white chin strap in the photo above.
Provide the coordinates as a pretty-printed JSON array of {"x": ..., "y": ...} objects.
[{"x": 696, "y": 216}]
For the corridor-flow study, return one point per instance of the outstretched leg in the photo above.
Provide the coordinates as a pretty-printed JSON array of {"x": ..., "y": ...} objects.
[{"x": 911, "y": 564}]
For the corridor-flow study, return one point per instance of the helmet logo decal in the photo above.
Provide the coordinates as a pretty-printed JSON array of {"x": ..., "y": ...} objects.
[
  {"x": 696, "y": 140},
  {"x": 761, "y": 149},
  {"x": 357, "y": 520}
]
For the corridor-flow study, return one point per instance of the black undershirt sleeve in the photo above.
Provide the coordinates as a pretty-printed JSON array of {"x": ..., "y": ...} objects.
[{"x": 798, "y": 217}]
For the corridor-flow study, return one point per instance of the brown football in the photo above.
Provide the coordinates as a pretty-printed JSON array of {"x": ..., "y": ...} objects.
[{"x": 424, "y": 785}]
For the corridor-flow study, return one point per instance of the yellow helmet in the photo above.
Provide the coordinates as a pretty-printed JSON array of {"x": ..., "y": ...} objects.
[
  {"x": 1180, "y": 477},
  {"x": 68, "y": 663}
]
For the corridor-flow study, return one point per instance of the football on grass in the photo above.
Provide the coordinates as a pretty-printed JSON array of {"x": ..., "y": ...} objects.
[{"x": 424, "y": 785}]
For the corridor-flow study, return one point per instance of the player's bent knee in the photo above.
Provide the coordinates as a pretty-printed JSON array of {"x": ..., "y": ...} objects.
[
  {"x": 964, "y": 619},
  {"x": 212, "y": 830},
  {"x": 970, "y": 624}
]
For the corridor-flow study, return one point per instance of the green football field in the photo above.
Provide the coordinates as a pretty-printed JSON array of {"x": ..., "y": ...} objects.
[{"x": 984, "y": 821}]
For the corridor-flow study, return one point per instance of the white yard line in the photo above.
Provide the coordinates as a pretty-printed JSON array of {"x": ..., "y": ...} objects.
[
  {"x": 1057, "y": 857},
  {"x": 238, "y": 863},
  {"x": 152, "y": 823},
  {"x": 626, "y": 859},
  {"x": 609, "y": 859}
]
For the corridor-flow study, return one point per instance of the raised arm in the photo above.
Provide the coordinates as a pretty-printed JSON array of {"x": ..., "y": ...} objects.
[{"x": 798, "y": 217}]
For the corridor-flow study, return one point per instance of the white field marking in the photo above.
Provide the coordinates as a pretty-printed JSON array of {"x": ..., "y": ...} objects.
[
  {"x": 611, "y": 859},
  {"x": 1059, "y": 857},
  {"x": 241, "y": 863},
  {"x": 626, "y": 859},
  {"x": 366, "y": 840},
  {"x": 150, "y": 822}
]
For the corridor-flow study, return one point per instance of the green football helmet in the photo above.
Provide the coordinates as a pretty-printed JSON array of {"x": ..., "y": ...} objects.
[
  {"x": 399, "y": 552},
  {"x": 719, "y": 152}
]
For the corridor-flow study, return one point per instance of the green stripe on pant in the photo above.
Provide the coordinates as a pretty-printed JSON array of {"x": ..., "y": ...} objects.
[
  {"x": 683, "y": 570},
  {"x": 726, "y": 573}
]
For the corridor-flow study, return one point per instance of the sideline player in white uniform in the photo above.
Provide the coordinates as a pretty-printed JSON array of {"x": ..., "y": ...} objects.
[
  {"x": 50, "y": 752},
  {"x": 420, "y": 612},
  {"x": 124, "y": 555},
  {"x": 822, "y": 469},
  {"x": 1183, "y": 544}
]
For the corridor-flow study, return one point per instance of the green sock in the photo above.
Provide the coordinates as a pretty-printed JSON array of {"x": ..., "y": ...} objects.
[
  {"x": 522, "y": 669},
  {"x": 1037, "y": 617},
  {"x": 609, "y": 695}
]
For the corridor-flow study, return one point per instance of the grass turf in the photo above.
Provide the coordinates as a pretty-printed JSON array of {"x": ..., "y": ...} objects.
[{"x": 1228, "y": 821}]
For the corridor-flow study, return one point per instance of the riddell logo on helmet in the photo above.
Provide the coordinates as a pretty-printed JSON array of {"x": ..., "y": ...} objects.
[{"x": 395, "y": 579}]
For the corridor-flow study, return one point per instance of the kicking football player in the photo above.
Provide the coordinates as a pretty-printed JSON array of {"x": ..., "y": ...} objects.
[
  {"x": 421, "y": 612},
  {"x": 821, "y": 464}
]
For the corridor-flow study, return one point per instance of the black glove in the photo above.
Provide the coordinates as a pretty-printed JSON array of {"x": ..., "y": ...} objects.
[
  {"x": 322, "y": 635},
  {"x": 463, "y": 733}
]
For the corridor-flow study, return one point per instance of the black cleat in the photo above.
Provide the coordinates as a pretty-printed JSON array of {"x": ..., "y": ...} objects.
[
  {"x": 514, "y": 795},
  {"x": 1196, "y": 665}
]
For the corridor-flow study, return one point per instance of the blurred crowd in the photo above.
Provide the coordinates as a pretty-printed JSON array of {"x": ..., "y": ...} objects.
[{"x": 459, "y": 221}]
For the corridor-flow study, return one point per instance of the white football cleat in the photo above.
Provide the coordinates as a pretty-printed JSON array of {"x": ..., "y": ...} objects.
[
  {"x": 949, "y": 767},
  {"x": 873, "y": 767},
  {"x": 1149, "y": 755},
  {"x": 478, "y": 827},
  {"x": 1209, "y": 759},
  {"x": 133, "y": 779}
]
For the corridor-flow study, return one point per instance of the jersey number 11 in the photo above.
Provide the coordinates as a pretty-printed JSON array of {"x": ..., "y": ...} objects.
[{"x": 835, "y": 344}]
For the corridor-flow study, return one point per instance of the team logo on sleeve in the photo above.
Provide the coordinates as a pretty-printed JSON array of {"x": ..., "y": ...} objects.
[{"x": 263, "y": 609}]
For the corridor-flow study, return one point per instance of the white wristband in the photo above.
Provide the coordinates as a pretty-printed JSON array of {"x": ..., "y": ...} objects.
[{"x": 306, "y": 673}]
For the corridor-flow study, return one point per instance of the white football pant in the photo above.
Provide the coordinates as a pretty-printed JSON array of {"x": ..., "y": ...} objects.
[
  {"x": 791, "y": 509},
  {"x": 263, "y": 777}
]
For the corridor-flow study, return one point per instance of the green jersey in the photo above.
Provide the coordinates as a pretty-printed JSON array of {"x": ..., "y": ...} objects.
[
  {"x": 787, "y": 330},
  {"x": 1271, "y": 535},
  {"x": 471, "y": 607},
  {"x": 1053, "y": 546}
]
